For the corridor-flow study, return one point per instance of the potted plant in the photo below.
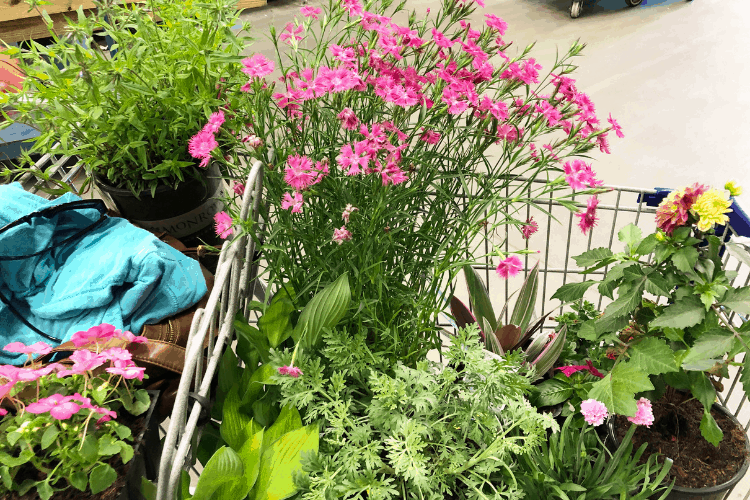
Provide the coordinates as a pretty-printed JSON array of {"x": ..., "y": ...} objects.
[
  {"x": 129, "y": 112},
  {"x": 63, "y": 424},
  {"x": 376, "y": 132},
  {"x": 674, "y": 351}
]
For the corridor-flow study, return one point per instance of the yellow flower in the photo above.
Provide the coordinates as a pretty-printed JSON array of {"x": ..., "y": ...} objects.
[
  {"x": 733, "y": 188},
  {"x": 711, "y": 207}
]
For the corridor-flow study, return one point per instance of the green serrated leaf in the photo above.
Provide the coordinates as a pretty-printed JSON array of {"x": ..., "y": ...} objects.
[
  {"x": 702, "y": 388},
  {"x": 657, "y": 285},
  {"x": 593, "y": 256},
  {"x": 618, "y": 388},
  {"x": 710, "y": 429},
  {"x": 44, "y": 490},
  {"x": 630, "y": 235},
  {"x": 628, "y": 300},
  {"x": 685, "y": 312},
  {"x": 79, "y": 480},
  {"x": 573, "y": 291},
  {"x": 685, "y": 258},
  {"x": 709, "y": 348},
  {"x": 102, "y": 476},
  {"x": 737, "y": 299},
  {"x": 653, "y": 356},
  {"x": 647, "y": 246}
]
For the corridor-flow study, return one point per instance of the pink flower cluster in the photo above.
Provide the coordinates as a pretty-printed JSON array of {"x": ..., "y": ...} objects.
[
  {"x": 643, "y": 415},
  {"x": 594, "y": 412},
  {"x": 202, "y": 143},
  {"x": 291, "y": 371},
  {"x": 63, "y": 407},
  {"x": 579, "y": 175},
  {"x": 588, "y": 219},
  {"x": 589, "y": 367}
]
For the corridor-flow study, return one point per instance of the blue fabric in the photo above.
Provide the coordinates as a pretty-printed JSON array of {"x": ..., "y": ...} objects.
[{"x": 116, "y": 273}]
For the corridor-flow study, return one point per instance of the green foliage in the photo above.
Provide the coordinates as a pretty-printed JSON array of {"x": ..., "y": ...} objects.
[
  {"x": 574, "y": 464},
  {"x": 681, "y": 343},
  {"x": 129, "y": 116},
  {"x": 434, "y": 431}
]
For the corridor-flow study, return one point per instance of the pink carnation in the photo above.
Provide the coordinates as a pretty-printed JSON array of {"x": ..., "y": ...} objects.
[
  {"x": 341, "y": 235},
  {"x": 643, "y": 415},
  {"x": 201, "y": 145},
  {"x": 615, "y": 126},
  {"x": 223, "y": 224},
  {"x": 299, "y": 172},
  {"x": 294, "y": 203},
  {"x": 588, "y": 219},
  {"x": 215, "y": 121},
  {"x": 529, "y": 228},
  {"x": 509, "y": 267},
  {"x": 257, "y": 65},
  {"x": 349, "y": 120},
  {"x": 238, "y": 188},
  {"x": 495, "y": 22},
  {"x": 291, "y": 371},
  {"x": 594, "y": 412},
  {"x": 291, "y": 34}
]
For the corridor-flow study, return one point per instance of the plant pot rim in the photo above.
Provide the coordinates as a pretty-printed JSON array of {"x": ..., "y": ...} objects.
[
  {"x": 103, "y": 183},
  {"x": 707, "y": 489}
]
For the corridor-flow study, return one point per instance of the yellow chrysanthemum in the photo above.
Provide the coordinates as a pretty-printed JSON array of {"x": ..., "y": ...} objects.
[
  {"x": 733, "y": 188},
  {"x": 712, "y": 207}
]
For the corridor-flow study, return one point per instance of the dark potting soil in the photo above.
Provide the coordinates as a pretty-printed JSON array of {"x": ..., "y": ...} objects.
[
  {"x": 676, "y": 434},
  {"x": 136, "y": 424}
]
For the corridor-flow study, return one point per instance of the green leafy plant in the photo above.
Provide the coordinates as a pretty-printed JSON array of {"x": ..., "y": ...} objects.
[
  {"x": 59, "y": 431},
  {"x": 129, "y": 113},
  {"x": 433, "y": 431},
  {"x": 574, "y": 464},
  {"x": 541, "y": 352},
  {"x": 681, "y": 342}
]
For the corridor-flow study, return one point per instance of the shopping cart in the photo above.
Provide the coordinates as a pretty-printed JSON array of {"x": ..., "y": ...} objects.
[
  {"x": 557, "y": 240},
  {"x": 576, "y": 6}
]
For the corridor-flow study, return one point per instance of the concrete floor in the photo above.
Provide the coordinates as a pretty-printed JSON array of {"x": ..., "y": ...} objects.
[{"x": 670, "y": 71}]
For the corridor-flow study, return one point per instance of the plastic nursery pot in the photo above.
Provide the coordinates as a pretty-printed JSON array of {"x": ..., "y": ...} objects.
[
  {"x": 717, "y": 492},
  {"x": 187, "y": 213}
]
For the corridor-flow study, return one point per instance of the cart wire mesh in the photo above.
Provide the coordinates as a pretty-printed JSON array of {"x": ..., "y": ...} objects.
[{"x": 554, "y": 244}]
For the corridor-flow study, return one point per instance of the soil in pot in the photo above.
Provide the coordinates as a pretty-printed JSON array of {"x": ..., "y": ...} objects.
[
  {"x": 676, "y": 434},
  {"x": 138, "y": 427}
]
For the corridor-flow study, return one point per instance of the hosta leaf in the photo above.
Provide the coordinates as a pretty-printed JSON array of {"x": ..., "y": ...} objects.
[
  {"x": 653, "y": 356},
  {"x": 324, "y": 310},
  {"x": 737, "y": 299},
  {"x": 686, "y": 312},
  {"x": 236, "y": 426},
  {"x": 287, "y": 421},
  {"x": 225, "y": 467}
]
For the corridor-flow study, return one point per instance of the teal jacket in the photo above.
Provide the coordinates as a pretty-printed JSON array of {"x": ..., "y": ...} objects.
[{"x": 116, "y": 273}]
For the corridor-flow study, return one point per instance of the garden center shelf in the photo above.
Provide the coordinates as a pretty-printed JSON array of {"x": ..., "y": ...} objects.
[{"x": 557, "y": 238}]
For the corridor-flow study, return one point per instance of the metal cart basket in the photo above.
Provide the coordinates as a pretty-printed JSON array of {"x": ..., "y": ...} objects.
[{"x": 556, "y": 241}]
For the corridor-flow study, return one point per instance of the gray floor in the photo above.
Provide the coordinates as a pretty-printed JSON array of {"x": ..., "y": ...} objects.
[{"x": 672, "y": 72}]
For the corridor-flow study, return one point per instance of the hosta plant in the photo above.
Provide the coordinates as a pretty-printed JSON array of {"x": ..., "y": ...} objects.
[
  {"x": 673, "y": 322},
  {"x": 59, "y": 425}
]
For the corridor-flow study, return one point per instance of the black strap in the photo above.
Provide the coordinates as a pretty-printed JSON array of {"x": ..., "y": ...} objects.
[{"x": 49, "y": 212}]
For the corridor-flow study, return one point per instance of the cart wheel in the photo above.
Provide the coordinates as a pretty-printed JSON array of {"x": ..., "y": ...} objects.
[
  {"x": 634, "y": 3},
  {"x": 575, "y": 8}
]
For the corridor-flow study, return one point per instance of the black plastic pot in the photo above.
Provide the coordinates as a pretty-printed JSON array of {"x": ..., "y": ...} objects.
[
  {"x": 146, "y": 455},
  {"x": 717, "y": 492},
  {"x": 187, "y": 213}
]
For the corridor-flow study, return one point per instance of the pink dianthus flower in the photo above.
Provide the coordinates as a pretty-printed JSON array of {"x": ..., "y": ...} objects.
[
  {"x": 223, "y": 224},
  {"x": 349, "y": 120},
  {"x": 341, "y": 235},
  {"x": 299, "y": 173},
  {"x": 257, "y": 65},
  {"x": 201, "y": 145},
  {"x": 215, "y": 121},
  {"x": 310, "y": 11},
  {"x": 509, "y": 267},
  {"x": 293, "y": 203},
  {"x": 594, "y": 412},
  {"x": 588, "y": 219},
  {"x": 529, "y": 228}
]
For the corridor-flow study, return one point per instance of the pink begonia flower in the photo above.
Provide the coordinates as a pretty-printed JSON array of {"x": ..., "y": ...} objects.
[
  {"x": 594, "y": 412},
  {"x": 291, "y": 371},
  {"x": 215, "y": 121},
  {"x": 201, "y": 145},
  {"x": 299, "y": 173},
  {"x": 295, "y": 203},
  {"x": 128, "y": 372},
  {"x": 257, "y": 65},
  {"x": 133, "y": 339},
  {"x": 341, "y": 235},
  {"x": 85, "y": 360},
  {"x": 108, "y": 414},
  {"x": 643, "y": 415},
  {"x": 58, "y": 406},
  {"x": 223, "y": 224},
  {"x": 509, "y": 267},
  {"x": 3, "y": 412},
  {"x": 588, "y": 218},
  {"x": 238, "y": 188},
  {"x": 291, "y": 33},
  {"x": 310, "y": 11},
  {"x": 85, "y": 402},
  {"x": 117, "y": 353},
  {"x": 529, "y": 228},
  {"x": 348, "y": 212},
  {"x": 349, "y": 120},
  {"x": 6, "y": 388},
  {"x": 615, "y": 126},
  {"x": 35, "y": 348},
  {"x": 9, "y": 372},
  {"x": 101, "y": 332}
]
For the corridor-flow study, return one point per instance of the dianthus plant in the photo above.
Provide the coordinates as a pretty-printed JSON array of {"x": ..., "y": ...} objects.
[
  {"x": 433, "y": 431},
  {"x": 57, "y": 429},
  {"x": 393, "y": 139}
]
